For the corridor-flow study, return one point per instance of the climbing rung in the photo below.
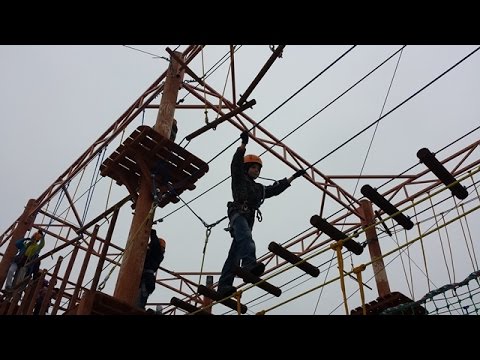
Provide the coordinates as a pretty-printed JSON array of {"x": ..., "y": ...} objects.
[
  {"x": 442, "y": 173},
  {"x": 386, "y": 206},
  {"x": 250, "y": 278},
  {"x": 335, "y": 234},
  {"x": 187, "y": 307},
  {"x": 212, "y": 294},
  {"x": 293, "y": 259}
]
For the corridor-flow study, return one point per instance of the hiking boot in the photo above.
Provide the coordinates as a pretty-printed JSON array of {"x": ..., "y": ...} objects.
[
  {"x": 257, "y": 268},
  {"x": 226, "y": 290}
]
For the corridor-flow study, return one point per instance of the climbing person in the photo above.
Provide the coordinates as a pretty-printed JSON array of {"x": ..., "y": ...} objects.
[
  {"x": 153, "y": 259},
  {"x": 174, "y": 130},
  {"x": 41, "y": 298},
  {"x": 248, "y": 195},
  {"x": 28, "y": 249}
]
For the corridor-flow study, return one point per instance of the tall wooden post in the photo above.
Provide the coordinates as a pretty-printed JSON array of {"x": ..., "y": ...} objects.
[
  {"x": 378, "y": 266},
  {"x": 166, "y": 110},
  {"x": 24, "y": 224},
  {"x": 128, "y": 281}
]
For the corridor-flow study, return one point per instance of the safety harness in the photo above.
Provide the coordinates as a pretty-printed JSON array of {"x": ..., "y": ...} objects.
[{"x": 242, "y": 208}]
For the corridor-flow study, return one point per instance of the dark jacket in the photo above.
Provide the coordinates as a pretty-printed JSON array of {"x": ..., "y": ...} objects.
[
  {"x": 154, "y": 255},
  {"x": 247, "y": 194},
  {"x": 153, "y": 258}
]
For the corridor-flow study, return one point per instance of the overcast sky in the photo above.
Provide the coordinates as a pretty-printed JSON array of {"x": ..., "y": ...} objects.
[{"x": 57, "y": 100}]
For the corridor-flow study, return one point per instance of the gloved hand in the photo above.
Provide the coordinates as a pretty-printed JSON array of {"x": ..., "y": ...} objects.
[
  {"x": 299, "y": 173},
  {"x": 244, "y": 137}
]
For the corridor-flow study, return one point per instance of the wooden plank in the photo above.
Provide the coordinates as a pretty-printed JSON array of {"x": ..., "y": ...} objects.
[
  {"x": 182, "y": 168},
  {"x": 187, "y": 307},
  {"x": 250, "y": 278},
  {"x": 293, "y": 259},
  {"x": 228, "y": 302}
]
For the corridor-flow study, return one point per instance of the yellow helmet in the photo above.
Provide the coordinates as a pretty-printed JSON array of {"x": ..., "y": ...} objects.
[
  {"x": 163, "y": 243},
  {"x": 252, "y": 159}
]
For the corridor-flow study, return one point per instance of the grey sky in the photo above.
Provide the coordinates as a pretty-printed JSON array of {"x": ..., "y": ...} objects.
[{"x": 57, "y": 100}]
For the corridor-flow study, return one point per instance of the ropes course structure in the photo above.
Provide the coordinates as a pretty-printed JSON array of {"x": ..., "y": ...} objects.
[{"x": 327, "y": 249}]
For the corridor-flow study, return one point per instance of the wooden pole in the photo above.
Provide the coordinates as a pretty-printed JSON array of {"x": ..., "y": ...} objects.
[
  {"x": 374, "y": 248},
  {"x": 128, "y": 281},
  {"x": 166, "y": 110}
]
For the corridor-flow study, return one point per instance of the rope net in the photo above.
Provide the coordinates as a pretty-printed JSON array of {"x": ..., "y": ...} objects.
[{"x": 462, "y": 298}]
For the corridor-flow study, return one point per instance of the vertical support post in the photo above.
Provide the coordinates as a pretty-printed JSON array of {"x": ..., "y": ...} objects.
[
  {"x": 166, "y": 110},
  {"x": 105, "y": 247},
  {"x": 378, "y": 266},
  {"x": 83, "y": 269},
  {"x": 66, "y": 276},
  {"x": 206, "y": 300},
  {"x": 128, "y": 281}
]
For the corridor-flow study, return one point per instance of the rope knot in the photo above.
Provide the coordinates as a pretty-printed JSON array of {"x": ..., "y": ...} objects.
[{"x": 359, "y": 268}]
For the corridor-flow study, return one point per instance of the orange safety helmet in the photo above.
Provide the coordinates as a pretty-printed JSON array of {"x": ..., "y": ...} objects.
[
  {"x": 162, "y": 243},
  {"x": 252, "y": 159},
  {"x": 37, "y": 236}
]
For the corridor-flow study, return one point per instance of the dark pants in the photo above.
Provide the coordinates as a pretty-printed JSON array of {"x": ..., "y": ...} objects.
[
  {"x": 242, "y": 249},
  {"x": 147, "y": 286}
]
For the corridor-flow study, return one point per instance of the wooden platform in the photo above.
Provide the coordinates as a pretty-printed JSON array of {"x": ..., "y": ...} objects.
[
  {"x": 145, "y": 150},
  {"x": 4, "y": 307},
  {"x": 382, "y": 303},
  {"x": 98, "y": 303}
]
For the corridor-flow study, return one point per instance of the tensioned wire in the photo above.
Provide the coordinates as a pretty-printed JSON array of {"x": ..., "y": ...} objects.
[
  {"x": 266, "y": 117},
  {"x": 310, "y": 256},
  {"x": 419, "y": 238},
  {"x": 374, "y": 123},
  {"x": 320, "y": 159},
  {"x": 194, "y": 199},
  {"x": 330, "y": 266},
  {"x": 408, "y": 243},
  {"x": 344, "y": 143}
]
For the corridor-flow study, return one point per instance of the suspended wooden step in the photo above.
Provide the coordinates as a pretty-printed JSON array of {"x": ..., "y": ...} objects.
[
  {"x": 386, "y": 206},
  {"x": 335, "y": 234},
  {"x": 212, "y": 294},
  {"x": 391, "y": 300},
  {"x": 145, "y": 152},
  {"x": 442, "y": 173},
  {"x": 293, "y": 259},
  {"x": 187, "y": 307},
  {"x": 248, "y": 277},
  {"x": 221, "y": 119}
]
